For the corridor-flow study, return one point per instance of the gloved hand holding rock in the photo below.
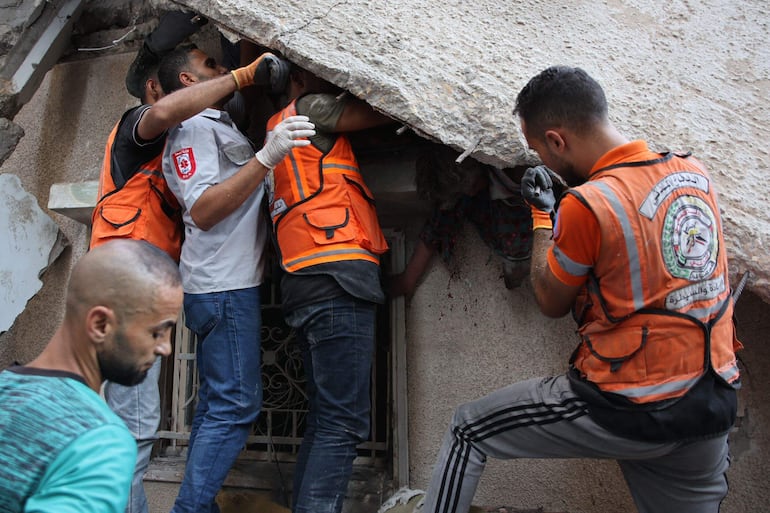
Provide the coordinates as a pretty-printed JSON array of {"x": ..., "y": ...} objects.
[
  {"x": 266, "y": 70},
  {"x": 173, "y": 28},
  {"x": 288, "y": 134},
  {"x": 537, "y": 191}
]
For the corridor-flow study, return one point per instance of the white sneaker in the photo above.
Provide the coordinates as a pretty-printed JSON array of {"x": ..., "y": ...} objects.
[{"x": 405, "y": 500}]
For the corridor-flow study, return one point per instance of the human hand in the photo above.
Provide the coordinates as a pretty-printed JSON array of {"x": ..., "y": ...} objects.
[
  {"x": 398, "y": 285},
  {"x": 173, "y": 28},
  {"x": 537, "y": 189},
  {"x": 288, "y": 134},
  {"x": 267, "y": 69}
]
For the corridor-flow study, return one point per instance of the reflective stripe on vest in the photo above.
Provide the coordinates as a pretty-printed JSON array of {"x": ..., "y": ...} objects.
[
  {"x": 321, "y": 208},
  {"x": 656, "y": 311}
]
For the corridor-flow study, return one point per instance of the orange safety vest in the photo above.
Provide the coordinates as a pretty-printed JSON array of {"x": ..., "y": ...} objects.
[
  {"x": 657, "y": 310},
  {"x": 142, "y": 208},
  {"x": 322, "y": 210}
]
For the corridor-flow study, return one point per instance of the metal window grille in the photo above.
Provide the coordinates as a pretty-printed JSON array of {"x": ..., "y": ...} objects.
[{"x": 277, "y": 433}]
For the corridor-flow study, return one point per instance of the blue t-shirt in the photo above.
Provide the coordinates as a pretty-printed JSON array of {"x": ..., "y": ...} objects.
[{"x": 62, "y": 448}]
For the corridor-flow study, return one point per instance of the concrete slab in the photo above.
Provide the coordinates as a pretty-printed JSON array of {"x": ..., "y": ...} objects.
[
  {"x": 685, "y": 76},
  {"x": 30, "y": 242}
]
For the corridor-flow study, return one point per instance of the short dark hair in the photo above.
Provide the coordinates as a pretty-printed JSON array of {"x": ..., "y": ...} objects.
[
  {"x": 561, "y": 96},
  {"x": 143, "y": 68},
  {"x": 171, "y": 65}
]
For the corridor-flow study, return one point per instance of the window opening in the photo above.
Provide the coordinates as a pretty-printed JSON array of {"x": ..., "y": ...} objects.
[{"x": 277, "y": 434}]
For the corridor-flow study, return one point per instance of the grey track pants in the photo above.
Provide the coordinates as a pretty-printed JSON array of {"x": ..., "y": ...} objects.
[{"x": 542, "y": 418}]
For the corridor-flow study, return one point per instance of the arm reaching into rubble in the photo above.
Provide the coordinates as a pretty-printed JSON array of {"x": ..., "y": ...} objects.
[
  {"x": 405, "y": 283},
  {"x": 329, "y": 108},
  {"x": 172, "y": 109},
  {"x": 359, "y": 115}
]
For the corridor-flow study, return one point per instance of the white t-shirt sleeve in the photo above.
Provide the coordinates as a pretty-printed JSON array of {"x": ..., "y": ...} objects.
[{"x": 191, "y": 160}]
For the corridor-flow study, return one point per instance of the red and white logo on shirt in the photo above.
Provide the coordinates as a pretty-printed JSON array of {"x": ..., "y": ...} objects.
[{"x": 184, "y": 162}]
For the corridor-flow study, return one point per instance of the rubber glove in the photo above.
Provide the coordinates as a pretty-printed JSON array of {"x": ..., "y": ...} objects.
[
  {"x": 173, "y": 28},
  {"x": 537, "y": 191},
  {"x": 287, "y": 135},
  {"x": 267, "y": 69}
]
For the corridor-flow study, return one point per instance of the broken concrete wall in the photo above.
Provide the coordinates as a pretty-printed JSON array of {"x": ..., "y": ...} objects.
[
  {"x": 31, "y": 242},
  {"x": 66, "y": 125},
  {"x": 686, "y": 76}
]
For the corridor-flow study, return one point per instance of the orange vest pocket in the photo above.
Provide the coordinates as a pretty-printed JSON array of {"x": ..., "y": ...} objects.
[
  {"x": 330, "y": 225},
  {"x": 117, "y": 220}
]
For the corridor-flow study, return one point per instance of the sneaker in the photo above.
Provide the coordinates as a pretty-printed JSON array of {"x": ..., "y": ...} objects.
[{"x": 405, "y": 500}]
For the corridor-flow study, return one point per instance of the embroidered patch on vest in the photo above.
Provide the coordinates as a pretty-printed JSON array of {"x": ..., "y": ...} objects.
[
  {"x": 184, "y": 163},
  {"x": 701, "y": 291},
  {"x": 690, "y": 240},
  {"x": 667, "y": 186}
]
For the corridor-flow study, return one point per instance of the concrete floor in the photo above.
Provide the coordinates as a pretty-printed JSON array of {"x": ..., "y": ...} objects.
[
  {"x": 255, "y": 487},
  {"x": 161, "y": 496}
]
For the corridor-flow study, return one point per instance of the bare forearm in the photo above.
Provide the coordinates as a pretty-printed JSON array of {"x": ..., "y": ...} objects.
[
  {"x": 417, "y": 265},
  {"x": 405, "y": 283},
  {"x": 184, "y": 103},
  {"x": 359, "y": 115},
  {"x": 539, "y": 264},
  {"x": 222, "y": 199}
]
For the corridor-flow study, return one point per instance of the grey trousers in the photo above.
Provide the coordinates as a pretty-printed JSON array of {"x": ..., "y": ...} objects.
[
  {"x": 542, "y": 418},
  {"x": 139, "y": 407}
]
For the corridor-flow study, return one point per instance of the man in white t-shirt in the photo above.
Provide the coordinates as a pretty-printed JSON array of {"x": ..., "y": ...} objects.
[{"x": 212, "y": 170}]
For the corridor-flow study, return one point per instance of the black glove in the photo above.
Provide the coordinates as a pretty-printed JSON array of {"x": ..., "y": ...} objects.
[
  {"x": 265, "y": 70},
  {"x": 173, "y": 28},
  {"x": 278, "y": 74},
  {"x": 537, "y": 188}
]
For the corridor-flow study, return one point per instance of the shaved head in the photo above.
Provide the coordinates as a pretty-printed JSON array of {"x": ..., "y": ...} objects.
[
  {"x": 123, "y": 275},
  {"x": 123, "y": 301}
]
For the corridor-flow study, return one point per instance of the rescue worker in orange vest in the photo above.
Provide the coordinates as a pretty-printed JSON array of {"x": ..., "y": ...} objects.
[
  {"x": 329, "y": 242},
  {"x": 134, "y": 201},
  {"x": 637, "y": 253}
]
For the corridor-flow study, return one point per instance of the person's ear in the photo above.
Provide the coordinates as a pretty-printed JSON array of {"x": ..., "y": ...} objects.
[
  {"x": 187, "y": 79},
  {"x": 555, "y": 141},
  {"x": 100, "y": 323},
  {"x": 153, "y": 90}
]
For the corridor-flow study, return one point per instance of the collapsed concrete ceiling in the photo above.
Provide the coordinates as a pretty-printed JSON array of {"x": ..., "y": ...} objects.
[{"x": 686, "y": 76}]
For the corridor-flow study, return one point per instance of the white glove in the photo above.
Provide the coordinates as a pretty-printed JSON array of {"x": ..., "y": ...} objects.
[{"x": 288, "y": 134}]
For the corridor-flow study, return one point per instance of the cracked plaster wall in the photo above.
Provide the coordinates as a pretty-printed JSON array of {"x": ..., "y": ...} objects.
[{"x": 30, "y": 243}]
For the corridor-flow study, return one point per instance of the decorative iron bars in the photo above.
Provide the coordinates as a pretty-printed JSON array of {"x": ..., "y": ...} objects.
[{"x": 277, "y": 433}]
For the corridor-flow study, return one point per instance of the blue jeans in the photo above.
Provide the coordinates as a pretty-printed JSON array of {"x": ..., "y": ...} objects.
[
  {"x": 337, "y": 340},
  {"x": 227, "y": 326},
  {"x": 139, "y": 407}
]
